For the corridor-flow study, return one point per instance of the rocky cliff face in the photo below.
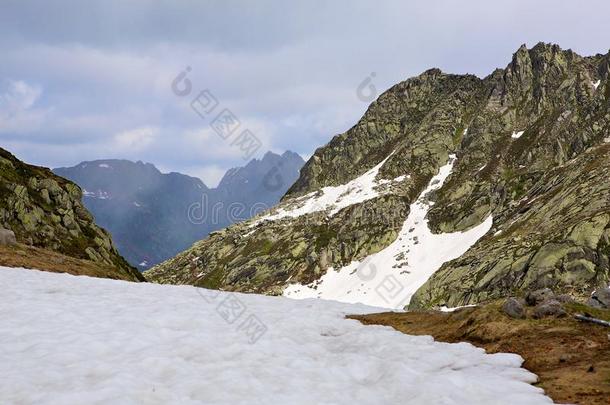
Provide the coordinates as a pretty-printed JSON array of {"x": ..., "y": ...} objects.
[
  {"x": 45, "y": 211},
  {"x": 532, "y": 152}
]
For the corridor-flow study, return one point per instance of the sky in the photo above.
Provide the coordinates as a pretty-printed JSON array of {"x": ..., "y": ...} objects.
[{"x": 101, "y": 79}]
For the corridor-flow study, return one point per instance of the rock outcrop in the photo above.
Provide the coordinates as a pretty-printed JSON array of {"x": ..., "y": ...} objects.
[
  {"x": 600, "y": 298},
  {"x": 45, "y": 211},
  {"x": 7, "y": 237}
]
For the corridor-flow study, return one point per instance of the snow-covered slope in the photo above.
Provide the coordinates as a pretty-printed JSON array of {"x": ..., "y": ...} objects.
[
  {"x": 334, "y": 199},
  {"x": 76, "y": 340},
  {"x": 390, "y": 277}
]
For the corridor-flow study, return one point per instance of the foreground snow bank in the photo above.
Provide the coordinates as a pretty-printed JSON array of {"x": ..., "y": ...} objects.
[{"x": 79, "y": 340}]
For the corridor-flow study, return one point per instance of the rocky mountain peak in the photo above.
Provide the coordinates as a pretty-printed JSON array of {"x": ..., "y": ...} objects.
[{"x": 520, "y": 155}]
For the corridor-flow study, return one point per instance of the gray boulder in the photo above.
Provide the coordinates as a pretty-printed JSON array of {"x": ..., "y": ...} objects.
[
  {"x": 534, "y": 298},
  {"x": 549, "y": 308},
  {"x": 514, "y": 308},
  {"x": 564, "y": 298},
  {"x": 600, "y": 298},
  {"x": 7, "y": 237}
]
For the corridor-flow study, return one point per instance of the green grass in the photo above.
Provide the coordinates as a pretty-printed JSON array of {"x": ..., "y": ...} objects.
[
  {"x": 578, "y": 308},
  {"x": 324, "y": 234},
  {"x": 213, "y": 279}
]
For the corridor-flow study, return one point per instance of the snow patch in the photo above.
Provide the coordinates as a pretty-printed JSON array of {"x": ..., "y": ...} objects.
[
  {"x": 395, "y": 180},
  {"x": 104, "y": 166},
  {"x": 143, "y": 264},
  {"x": 390, "y": 277},
  {"x": 100, "y": 194},
  {"x": 331, "y": 198},
  {"x": 517, "y": 135},
  {"x": 596, "y": 84},
  {"x": 81, "y": 340},
  {"x": 453, "y": 309}
]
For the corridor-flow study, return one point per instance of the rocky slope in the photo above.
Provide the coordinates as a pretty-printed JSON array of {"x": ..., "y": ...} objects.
[
  {"x": 153, "y": 216},
  {"x": 45, "y": 211},
  {"x": 532, "y": 152}
]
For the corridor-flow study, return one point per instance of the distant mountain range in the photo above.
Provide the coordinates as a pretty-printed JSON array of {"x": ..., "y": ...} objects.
[{"x": 152, "y": 216}]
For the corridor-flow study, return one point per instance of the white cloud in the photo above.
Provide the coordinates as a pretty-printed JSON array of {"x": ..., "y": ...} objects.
[
  {"x": 107, "y": 79},
  {"x": 20, "y": 96},
  {"x": 136, "y": 139},
  {"x": 17, "y": 107}
]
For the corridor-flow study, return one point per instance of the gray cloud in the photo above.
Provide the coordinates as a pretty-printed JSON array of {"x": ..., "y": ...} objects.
[{"x": 84, "y": 80}]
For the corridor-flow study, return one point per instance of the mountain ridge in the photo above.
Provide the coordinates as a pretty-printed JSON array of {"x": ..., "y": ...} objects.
[
  {"x": 508, "y": 131},
  {"x": 154, "y": 215}
]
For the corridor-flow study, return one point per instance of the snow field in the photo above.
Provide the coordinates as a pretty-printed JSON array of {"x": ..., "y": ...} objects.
[{"x": 78, "y": 340}]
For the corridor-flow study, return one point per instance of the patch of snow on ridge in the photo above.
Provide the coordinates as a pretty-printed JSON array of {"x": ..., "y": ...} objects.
[
  {"x": 596, "y": 84},
  {"x": 390, "y": 277},
  {"x": 81, "y": 340},
  {"x": 104, "y": 166},
  {"x": 335, "y": 198},
  {"x": 102, "y": 195},
  {"x": 453, "y": 309},
  {"x": 517, "y": 135}
]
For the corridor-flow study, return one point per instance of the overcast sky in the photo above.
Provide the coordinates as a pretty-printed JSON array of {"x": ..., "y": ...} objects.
[{"x": 83, "y": 80}]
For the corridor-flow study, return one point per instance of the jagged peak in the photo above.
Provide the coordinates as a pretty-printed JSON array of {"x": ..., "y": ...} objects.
[
  {"x": 432, "y": 73},
  {"x": 539, "y": 49},
  {"x": 522, "y": 49},
  {"x": 520, "y": 55}
]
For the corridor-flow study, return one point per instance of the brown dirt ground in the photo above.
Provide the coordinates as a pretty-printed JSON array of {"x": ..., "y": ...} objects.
[
  {"x": 571, "y": 358},
  {"x": 41, "y": 259}
]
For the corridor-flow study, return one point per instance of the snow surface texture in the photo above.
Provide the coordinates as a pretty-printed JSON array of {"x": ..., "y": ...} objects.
[
  {"x": 78, "y": 340},
  {"x": 361, "y": 189},
  {"x": 390, "y": 277}
]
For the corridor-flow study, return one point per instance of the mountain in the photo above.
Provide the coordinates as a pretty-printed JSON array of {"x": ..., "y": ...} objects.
[
  {"x": 261, "y": 182},
  {"x": 450, "y": 190},
  {"x": 53, "y": 228},
  {"x": 152, "y": 216}
]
